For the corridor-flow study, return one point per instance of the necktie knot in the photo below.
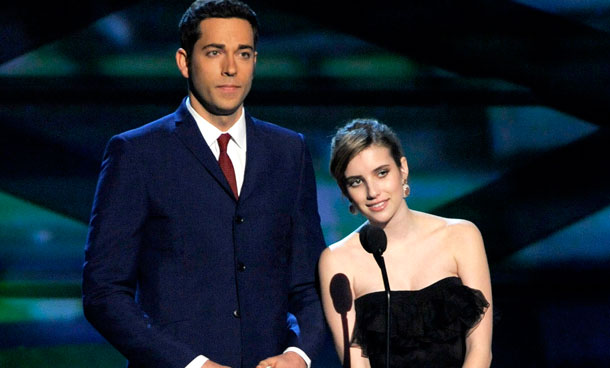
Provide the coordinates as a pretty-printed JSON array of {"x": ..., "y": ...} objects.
[{"x": 223, "y": 141}]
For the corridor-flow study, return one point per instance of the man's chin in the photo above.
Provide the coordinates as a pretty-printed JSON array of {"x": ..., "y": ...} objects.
[
  {"x": 212, "y": 108},
  {"x": 219, "y": 110},
  {"x": 222, "y": 112}
]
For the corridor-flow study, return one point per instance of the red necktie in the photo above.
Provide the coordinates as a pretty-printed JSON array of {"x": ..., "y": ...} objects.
[{"x": 225, "y": 162}]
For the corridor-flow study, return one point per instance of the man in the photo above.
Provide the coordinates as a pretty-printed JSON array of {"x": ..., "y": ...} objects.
[{"x": 191, "y": 264}]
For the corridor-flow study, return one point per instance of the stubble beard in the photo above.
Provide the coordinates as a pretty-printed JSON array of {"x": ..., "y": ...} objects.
[{"x": 209, "y": 107}]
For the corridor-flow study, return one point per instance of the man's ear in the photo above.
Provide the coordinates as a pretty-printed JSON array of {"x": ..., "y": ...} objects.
[
  {"x": 254, "y": 68},
  {"x": 182, "y": 62}
]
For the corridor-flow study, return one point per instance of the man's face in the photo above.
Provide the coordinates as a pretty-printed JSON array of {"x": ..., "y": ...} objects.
[{"x": 221, "y": 66}]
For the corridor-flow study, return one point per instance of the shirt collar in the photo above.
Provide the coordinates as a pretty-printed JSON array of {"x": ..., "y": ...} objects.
[{"x": 211, "y": 133}]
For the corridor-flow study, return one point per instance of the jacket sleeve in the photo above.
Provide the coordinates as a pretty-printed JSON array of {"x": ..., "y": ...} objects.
[
  {"x": 307, "y": 245},
  {"x": 111, "y": 263}
]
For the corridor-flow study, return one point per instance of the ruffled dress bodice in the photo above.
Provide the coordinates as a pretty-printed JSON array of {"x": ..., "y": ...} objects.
[{"x": 429, "y": 325}]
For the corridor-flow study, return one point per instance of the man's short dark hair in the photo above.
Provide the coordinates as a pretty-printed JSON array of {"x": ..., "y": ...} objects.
[{"x": 203, "y": 9}]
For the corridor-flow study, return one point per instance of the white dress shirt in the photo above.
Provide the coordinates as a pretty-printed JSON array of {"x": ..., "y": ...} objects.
[{"x": 236, "y": 149}]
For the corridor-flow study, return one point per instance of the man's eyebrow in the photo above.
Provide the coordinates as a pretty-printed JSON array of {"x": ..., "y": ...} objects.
[
  {"x": 222, "y": 46},
  {"x": 214, "y": 45}
]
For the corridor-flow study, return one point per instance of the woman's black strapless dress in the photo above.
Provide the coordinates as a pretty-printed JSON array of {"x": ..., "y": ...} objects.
[{"x": 429, "y": 326}]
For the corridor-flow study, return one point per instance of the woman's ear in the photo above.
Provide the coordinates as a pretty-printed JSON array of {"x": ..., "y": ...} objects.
[{"x": 404, "y": 168}]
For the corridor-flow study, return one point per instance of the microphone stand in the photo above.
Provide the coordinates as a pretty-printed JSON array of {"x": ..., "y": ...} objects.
[
  {"x": 374, "y": 241},
  {"x": 386, "y": 285}
]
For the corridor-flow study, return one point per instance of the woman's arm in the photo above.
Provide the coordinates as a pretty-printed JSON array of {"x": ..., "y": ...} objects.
[
  {"x": 469, "y": 253},
  {"x": 337, "y": 290}
]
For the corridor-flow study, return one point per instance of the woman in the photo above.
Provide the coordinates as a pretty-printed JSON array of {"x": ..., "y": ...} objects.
[{"x": 437, "y": 267}]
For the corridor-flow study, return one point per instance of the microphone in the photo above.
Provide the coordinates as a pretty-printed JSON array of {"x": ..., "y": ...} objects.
[
  {"x": 374, "y": 241},
  {"x": 341, "y": 294}
]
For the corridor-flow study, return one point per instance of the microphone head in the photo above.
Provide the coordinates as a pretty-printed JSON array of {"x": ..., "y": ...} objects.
[
  {"x": 341, "y": 293},
  {"x": 373, "y": 239}
]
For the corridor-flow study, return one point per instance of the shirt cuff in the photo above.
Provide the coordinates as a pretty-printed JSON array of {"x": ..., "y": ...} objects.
[
  {"x": 199, "y": 361},
  {"x": 301, "y": 354}
]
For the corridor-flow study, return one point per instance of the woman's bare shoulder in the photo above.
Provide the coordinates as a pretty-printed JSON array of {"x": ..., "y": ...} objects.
[
  {"x": 453, "y": 232},
  {"x": 343, "y": 246},
  {"x": 340, "y": 255},
  {"x": 448, "y": 226},
  {"x": 463, "y": 231},
  {"x": 462, "y": 236}
]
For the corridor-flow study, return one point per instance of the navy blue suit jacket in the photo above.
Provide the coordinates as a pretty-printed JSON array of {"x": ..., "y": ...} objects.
[{"x": 176, "y": 267}]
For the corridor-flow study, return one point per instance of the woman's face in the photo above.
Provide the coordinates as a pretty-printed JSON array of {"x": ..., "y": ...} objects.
[{"x": 374, "y": 183}]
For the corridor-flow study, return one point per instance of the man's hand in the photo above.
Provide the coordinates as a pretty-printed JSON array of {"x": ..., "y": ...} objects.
[
  {"x": 289, "y": 359},
  {"x": 211, "y": 364}
]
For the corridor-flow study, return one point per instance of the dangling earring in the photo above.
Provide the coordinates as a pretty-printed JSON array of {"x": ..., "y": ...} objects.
[
  {"x": 406, "y": 189},
  {"x": 352, "y": 209}
]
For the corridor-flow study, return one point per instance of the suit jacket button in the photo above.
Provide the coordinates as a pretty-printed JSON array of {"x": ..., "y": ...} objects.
[
  {"x": 239, "y": 219},
  {"x": 236, "y": 313},
  {"x": 241, "y": 267}
]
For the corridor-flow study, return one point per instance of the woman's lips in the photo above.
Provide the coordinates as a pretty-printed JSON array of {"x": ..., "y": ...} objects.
[{"x": 378, "y": 206}]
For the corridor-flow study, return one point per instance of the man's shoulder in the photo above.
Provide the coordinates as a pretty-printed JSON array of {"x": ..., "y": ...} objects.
[
  {"x": 272, "y": 129},
  {"x": 161, "y": 126}
]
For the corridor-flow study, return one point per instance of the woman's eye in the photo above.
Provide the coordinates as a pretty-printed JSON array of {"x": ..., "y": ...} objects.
[
  {"x": 354, "y": 182},
  {"x": 382, "y": 173}
]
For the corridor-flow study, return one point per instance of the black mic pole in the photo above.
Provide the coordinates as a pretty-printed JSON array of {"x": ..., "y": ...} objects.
[
  {"x": 386, "y": 285},
  {"x": 374, "y": 241}
]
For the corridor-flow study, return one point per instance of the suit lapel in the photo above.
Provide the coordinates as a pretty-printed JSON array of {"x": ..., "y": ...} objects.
[
  {"x": 188, "y": 133},
  {"x": 256, "y": 158}
]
